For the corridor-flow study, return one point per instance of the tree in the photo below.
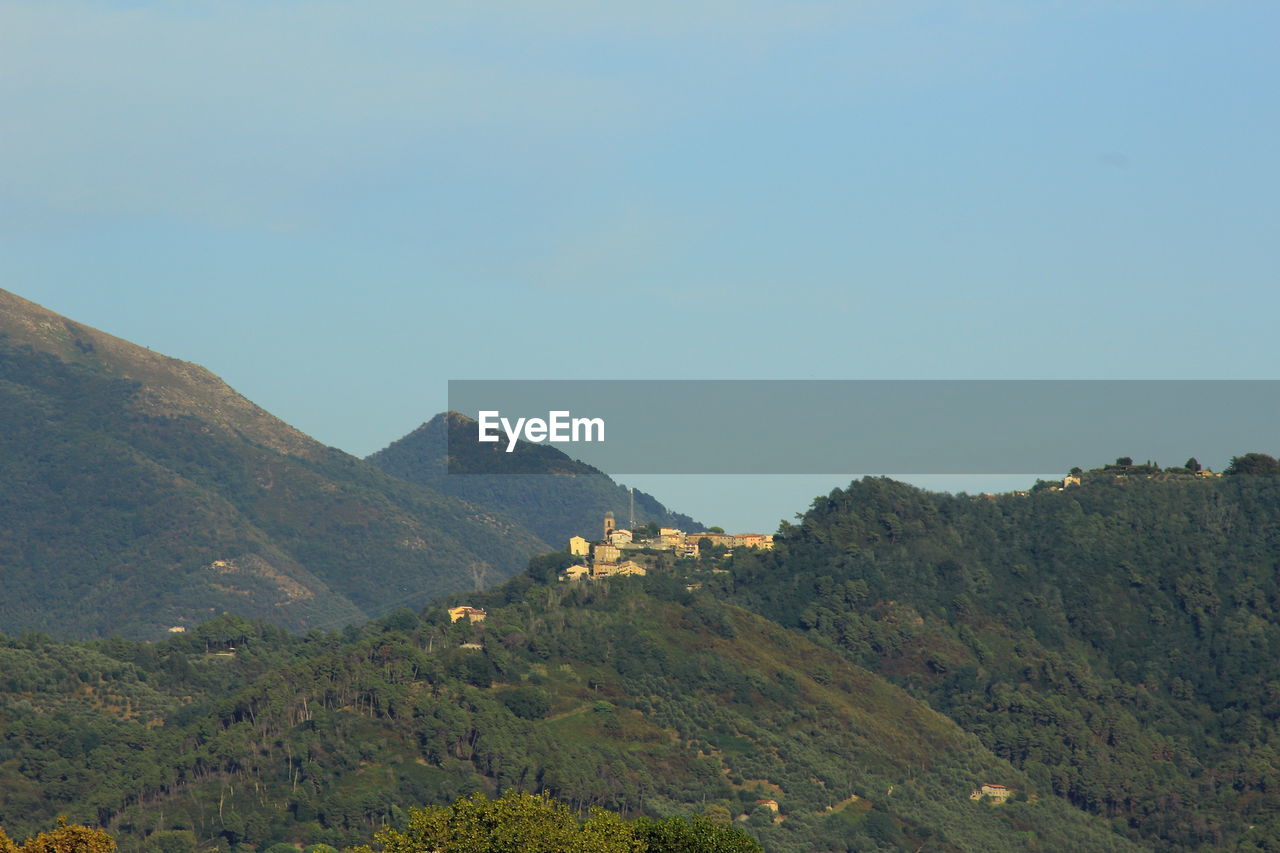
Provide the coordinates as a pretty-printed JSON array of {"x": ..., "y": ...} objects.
[
  {"x": 882, "y": 827},
  {"x": 516, "y": 822},
  {"x": 1255, "y": 464},
  {"x": 1124, "y": 462},
  {"x": 697, "y": 834},
  {"x": 529, "y": 703},
  {"x": 66, "y": 838},
  {"x": 645, "y": 531},
  {"x": 402, "y": 619},
  {"x": 717, "y": 814},
  {"x": 1192, "y": 464},
  {"x": 175, "y": 841},
  {"x": 519, "y": 822}
]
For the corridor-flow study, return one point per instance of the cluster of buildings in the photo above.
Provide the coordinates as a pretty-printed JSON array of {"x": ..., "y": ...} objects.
[{"x": 607, "y": 557}]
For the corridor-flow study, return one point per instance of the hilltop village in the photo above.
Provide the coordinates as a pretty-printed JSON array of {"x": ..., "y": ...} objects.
[
  {"x": 632, "y": 553},
  {"x": 622, "y": 552}
]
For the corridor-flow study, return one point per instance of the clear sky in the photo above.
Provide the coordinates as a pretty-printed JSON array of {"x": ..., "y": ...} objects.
[{"x": 338, "y": 206}]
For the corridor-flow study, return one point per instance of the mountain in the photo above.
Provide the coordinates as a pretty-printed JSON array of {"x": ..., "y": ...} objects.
[
  {"x": 633, "y": 694},
  {"x": 538, "y": 485},
  {"x": 1117, "y": 640},
  {"x": 139, "y": 492}
]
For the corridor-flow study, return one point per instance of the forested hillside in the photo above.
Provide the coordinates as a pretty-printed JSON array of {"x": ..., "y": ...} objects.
[
  {"x": 546, "y": 491},
  {"x": 631, "y": 694},
  {"x": 1105, "y": 653},
  {"x": 1119, "y": 640},
  {"x": 138, "y": 492}
]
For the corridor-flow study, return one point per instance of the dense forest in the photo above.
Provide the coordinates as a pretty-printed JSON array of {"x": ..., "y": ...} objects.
[
  {"x": 1104, "y": 651},
  {"x": 630, "y": 694},
  {"x": 1089, "y": 665},
  {"x": 1117, "y": 640}
]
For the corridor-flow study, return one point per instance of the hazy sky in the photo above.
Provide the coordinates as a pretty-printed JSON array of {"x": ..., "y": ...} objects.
[{"x": 339, "y": 206}]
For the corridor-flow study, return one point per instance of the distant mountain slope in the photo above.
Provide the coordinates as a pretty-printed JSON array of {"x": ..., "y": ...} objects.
[
  {"x": 139, "y": 492},
  {"x": 166, "y": 386},
  {"x": 553, "y": 495},
  {"x": 1117, "y": 640},
  {"x": 630, "y": 694}
]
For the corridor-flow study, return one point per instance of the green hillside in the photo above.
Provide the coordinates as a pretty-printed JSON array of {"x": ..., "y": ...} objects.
[
  {"x": 138, "y": 492},
  {"x": 546, "y": 491},
  {"x": 1119, "y": 641},
  {"x": 630, "y": 694},
  {"x": 1109, "y": 650}
]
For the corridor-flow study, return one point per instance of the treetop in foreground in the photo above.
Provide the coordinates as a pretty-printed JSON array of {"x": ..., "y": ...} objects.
[
  {"x": 520, "y": 822},
  {"x": 66, "y": 838}
]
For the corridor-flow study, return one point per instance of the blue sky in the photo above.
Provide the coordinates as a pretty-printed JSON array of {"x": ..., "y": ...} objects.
[{"x": 339, "y": 206}]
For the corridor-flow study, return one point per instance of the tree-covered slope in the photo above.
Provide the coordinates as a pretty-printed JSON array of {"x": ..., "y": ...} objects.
[
  {"x": 1119, "y": 640},
  {"x": 138, "y": 492},
  {"x": 553, "y": 495},
  {"x": 631, "y": 694}
]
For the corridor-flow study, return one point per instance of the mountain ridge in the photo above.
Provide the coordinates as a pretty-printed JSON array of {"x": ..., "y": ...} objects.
[
  {"x": 549, "y": 492},
  {"x": 169, "y": 386},
  {"x": 141, "y": 493}
]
